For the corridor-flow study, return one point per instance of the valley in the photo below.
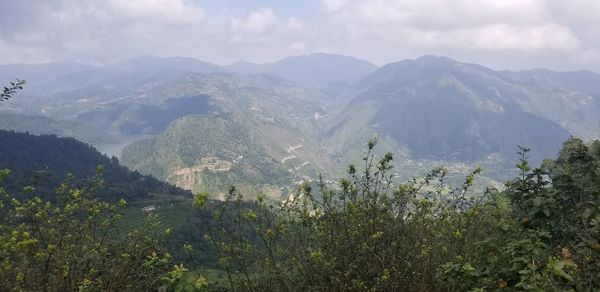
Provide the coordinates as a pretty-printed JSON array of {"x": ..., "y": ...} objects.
[
  {"x": 205, "y": 127},
  {"x": 323, "y": 145}
]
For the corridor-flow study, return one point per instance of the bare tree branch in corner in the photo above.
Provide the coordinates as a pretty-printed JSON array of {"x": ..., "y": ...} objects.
[{"x": 9, "y": 92}]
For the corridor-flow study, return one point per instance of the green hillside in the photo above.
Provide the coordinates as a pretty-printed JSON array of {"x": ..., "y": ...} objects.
[
  {"x": 435, "y": 108},
  {"x": 40, "y": 125},
  {"x": 45, "y": 161},
  {"x": 208, "y": 154}
]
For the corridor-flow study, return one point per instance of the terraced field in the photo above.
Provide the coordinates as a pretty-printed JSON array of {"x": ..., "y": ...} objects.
[{"x": 171, "y": 213}]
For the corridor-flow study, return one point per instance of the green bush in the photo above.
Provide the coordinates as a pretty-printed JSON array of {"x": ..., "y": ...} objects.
[
  {"x": 370, "y": 233},
  {"x": 68, "y": 245}
]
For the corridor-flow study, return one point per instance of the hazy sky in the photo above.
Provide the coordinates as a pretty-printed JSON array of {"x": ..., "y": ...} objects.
[{"x": 558, "y": 34}]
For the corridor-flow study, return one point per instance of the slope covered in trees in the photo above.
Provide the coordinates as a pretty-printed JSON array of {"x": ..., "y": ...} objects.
[
  {"x": 208, "y": 154},
  {"x": 438, "y": 108},
  {"x": 44, "y": 161},
  {"x": 43, "y": 125}
]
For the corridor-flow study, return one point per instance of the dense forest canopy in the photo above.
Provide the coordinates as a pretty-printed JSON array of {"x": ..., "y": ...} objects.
[{"x": 44, "y": 161}]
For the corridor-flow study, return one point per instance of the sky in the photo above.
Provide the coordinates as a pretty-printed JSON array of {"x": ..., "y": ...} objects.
[{"x": 502, "y": 34}]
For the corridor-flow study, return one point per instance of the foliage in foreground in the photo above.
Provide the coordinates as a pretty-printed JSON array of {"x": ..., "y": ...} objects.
[
  {"x": 372, "y": 234},
  {"x": 43, "y": 161},
  {"x": 368, "y": 233},
  {"x": 69, "y": 245}
]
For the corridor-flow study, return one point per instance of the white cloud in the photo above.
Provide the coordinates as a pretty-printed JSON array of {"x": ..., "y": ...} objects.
[
  {"x": 576, "y": 12},
  {"x": 18, "y": 54},
  {"x": 439, "y": 13},
  {"x": 459, "y": 28},
  {"x": 507, "y": 33},
  {"x": 499, "y": 37},
  {"x": 170, "y": 12},
  {"x": 587, "y": 58},
  {"x": 295, "y": 24},
  {"x": 260, "y": 20},
  {"x": 334, "y": 5},
  {"x": 297, "y": 48}
]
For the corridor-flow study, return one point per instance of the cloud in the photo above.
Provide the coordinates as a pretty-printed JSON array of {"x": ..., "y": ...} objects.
[
  {"x": 334, "y": 5},
  {"x": 437, "y": 13},
  {"x": 500, "y": 37},
  {"x": 18, "y": 54},
  {"x": 587, "y": 57},
  {"x": 506, "y": 34},
  {"x": 295, "y": 24},
  {"x": 259, "y": 21},
  {"x": 167, "y": 12},
  {"x": 485, "y": 24},
  {"x": 95, "y": 31},
  {"x": 465, "y": 29},
  {"x": 297, "y": 48}
]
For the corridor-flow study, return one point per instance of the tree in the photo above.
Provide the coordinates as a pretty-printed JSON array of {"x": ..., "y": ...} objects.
[
  {"x": 72, "y": 244},
  {"x": 575, "y": 177},
  {"x": 558, "y": 207},
  {"x": 372, "y": 233}
]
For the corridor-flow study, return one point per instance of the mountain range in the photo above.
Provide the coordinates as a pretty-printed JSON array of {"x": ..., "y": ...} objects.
[
  {"x": 268, "y": 126},
  {"x": 318, "y": 68}
]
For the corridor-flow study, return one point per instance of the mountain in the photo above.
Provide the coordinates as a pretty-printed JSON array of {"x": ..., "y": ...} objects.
[
  {"x": 137, "y": 71},
  {"x": 38, "y": 75},
  {"x": 269, "y": 122},
  {"x": 441, "y": 109},
  {"x": 142, "y": 117},
  {"x": 44, "y": 161},
  {"x": 313, "y": 114},
  {"x": 52, "y": 78},
  {"x": 278, "y": 114},
  {"x": 208, "y": 154},
  {"x": 318, "y": 68},
  {"x": 152, "y": 63},
  {"x": 41, "y": 125},
  {"x": 582, "y": 80},
  {"x": 244, "y": 67},
  {"x": 112, "y": 97},
  {"x": 570, "y": 99}
]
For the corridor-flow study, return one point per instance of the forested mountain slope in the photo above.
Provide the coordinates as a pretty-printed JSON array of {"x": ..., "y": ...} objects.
[
  {"x": 209, "y": 154},
  {"x": 38, "y": 125},
  {"x": 45, "y": 161},
  {"x": 306, "y": 113},
  {"x": 438, "y": 108}
]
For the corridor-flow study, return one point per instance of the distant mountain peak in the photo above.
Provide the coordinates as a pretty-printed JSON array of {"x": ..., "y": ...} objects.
[
  {"x": 324, "y": 55},
  {"x": 435, "y": 58},
  {"x": 423, "y": 68},
  {"x": 176, "y": 62},
  {"x": 316, "y": 68}
]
